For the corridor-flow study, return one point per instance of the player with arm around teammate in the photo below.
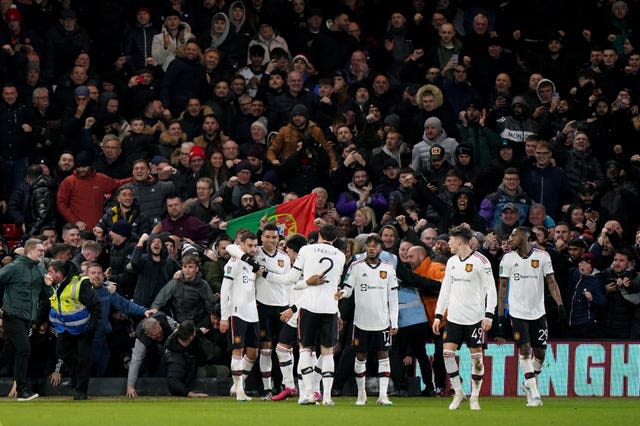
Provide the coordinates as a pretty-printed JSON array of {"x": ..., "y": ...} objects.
[
  {"x": 468, "y": 294},
  {"x": 318, "y": 311},
  {"x": 239, "y": 314},
  {"x": 374, "y": 285},
  {"x": 523, "y": 274}
]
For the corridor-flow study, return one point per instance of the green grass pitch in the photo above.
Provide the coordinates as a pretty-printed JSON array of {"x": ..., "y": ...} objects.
[{"x": 226, "y": 411}]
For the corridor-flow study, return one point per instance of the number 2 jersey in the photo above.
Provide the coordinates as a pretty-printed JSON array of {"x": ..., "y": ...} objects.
[
  {"x": 526, "y": 282},
  {"x": 316, "y": 259},
  {"x": 375, "y": 290},
  {"x": 238, "y": 291},
  {"x": 468, "y": 290}
]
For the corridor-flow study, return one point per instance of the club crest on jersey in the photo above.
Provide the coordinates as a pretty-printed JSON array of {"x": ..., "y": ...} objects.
[
  {"x": 383, "y": 274},
  {"x": 280, "y": 263},
  {"x": 468, "y": 267},
  {"x": 535, "y": 263}
]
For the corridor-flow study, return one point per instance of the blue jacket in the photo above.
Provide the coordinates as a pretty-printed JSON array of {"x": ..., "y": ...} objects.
[
  {"x": 583, "y": 312},
  {"x": 547, "y": 186},
  {"x": 107, "y": 300}
]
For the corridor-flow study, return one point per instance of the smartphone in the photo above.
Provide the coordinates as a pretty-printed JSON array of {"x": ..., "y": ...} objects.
[
  {"x": 455, "y": 57},
  {"x": 555, "y": 96}
]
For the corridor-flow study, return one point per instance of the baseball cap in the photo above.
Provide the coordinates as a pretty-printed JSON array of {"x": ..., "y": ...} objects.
[
  {"x": 510, "y": 206},
  {"x": 436, "y": 152}
]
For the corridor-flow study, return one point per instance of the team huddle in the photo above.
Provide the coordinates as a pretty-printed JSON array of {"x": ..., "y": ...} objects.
[{"x": 267, "y": 297}]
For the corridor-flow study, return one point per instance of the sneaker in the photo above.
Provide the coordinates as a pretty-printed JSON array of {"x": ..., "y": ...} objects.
[
  {"x": 232, "y": 390},
  {"x": 242, "y": 397},
  {"x": 384, "y": 402},
  {"x": 80, "y": 396},
  {"x": 457, "y": 400},
  {"x": 267, "y": 395},
  {"x": 527, "y": 392},
  {"x": 328, "y": 402},
  {"x": 286, "y": 393},
  {"x": 473, "y": 403},
  {"x": 27, "y": 396},
  {"x": 535, "y": 402},
  {"x": 306, "y": 400},
  {"x": 362, "y": 400}
]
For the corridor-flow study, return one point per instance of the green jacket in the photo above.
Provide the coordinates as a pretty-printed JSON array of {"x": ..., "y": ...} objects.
[{"x": 23, "y": 285}]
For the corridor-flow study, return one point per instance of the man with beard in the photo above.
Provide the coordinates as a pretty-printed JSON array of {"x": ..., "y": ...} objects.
[
  {"x": 359, "y": 194},
  {"x": 64, "y": 167},
  {"x": 215, "y": 259},
  {"x": 148, "y": 191},
  {"x": 151, "y": 263},
  {"x": 463, "y": 210},
  {"x": 125, "y": 209},
  {"x": 182, "y": 224},
  {"x": 81, "y": 195},
  {"x": 374, "y": 285},
  {"x": 286, "y": 141},
  {"x": 524, "y": 272},
  {"x": 272, "y": 299}
]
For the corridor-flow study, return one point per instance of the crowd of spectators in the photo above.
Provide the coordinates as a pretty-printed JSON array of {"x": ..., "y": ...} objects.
[{"x": 131, "y": 132}]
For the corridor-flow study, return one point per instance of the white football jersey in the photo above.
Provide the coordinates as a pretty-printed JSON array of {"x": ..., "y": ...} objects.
[
  {"x": 267, "y": 292},
  {"x": 375, "y": 290},
  {"x": 526, "y": 282},
  {"x": 238, "y": 292},
  {"x": 316, "y": 259},
  {"x": 468, "y": 290}
]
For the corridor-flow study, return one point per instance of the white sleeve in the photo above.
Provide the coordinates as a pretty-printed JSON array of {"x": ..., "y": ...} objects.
[
  {"x": 230, "y": 271},
  {"x": 393, "y": 300},
  {"x": 505, "y": 267},
  {"x": 349, "y": 282},
  {"x": 290, "y": 277},
  {"x": 159, "y": 53},
  {"x": 234, "y": 250},
  {"x": 445, "y": 291},
  {"x": 490, "y": 287}
]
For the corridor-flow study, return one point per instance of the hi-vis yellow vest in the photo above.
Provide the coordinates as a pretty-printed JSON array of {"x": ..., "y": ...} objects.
[{"x": 67, "y": 312}]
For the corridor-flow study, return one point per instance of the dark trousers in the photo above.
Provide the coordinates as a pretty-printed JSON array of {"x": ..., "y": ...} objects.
[
  {"x": 75, "y": 351},
  {"x": 17, "y": 332}
]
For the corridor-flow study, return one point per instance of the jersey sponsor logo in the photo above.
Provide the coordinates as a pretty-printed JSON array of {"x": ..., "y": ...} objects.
[
  {"x": 535, "y": 263},
  {"x": 383, "y": 274},
  {"x": 229, "y": 269},
  {"x": 468, "y": 267},
  {"x": 280, "y": 263}
]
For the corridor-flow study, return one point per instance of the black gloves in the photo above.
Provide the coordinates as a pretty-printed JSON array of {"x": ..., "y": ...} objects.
[
  {"x": 562, "y": 314},
  {"x": 255, "y": 266}
]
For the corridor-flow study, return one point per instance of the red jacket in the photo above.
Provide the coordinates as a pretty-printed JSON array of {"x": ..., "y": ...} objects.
[{"x": 82, "y": 198}]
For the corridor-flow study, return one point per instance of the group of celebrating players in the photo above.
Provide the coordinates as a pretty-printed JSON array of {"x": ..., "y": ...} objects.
[{"x": 265, "y": 292}]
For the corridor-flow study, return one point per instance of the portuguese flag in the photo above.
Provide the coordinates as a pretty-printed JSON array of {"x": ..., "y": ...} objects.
[{"x": 293, "y": 217}]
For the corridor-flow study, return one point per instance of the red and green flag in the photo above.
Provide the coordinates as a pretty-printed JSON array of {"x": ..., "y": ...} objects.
[{"x": 296, "y": 216}]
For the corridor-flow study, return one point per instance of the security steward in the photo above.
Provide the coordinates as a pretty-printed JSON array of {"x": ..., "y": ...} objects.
[{"x": 75, "y": 312}]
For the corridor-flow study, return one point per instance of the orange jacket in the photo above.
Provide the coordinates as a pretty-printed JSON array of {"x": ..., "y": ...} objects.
[{"x": 434, "y": 271}]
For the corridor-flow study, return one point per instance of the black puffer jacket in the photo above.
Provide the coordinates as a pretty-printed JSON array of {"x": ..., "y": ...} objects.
[
  {"x": 41, "y": 208},
  {"x": 151, "y": 275}
]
